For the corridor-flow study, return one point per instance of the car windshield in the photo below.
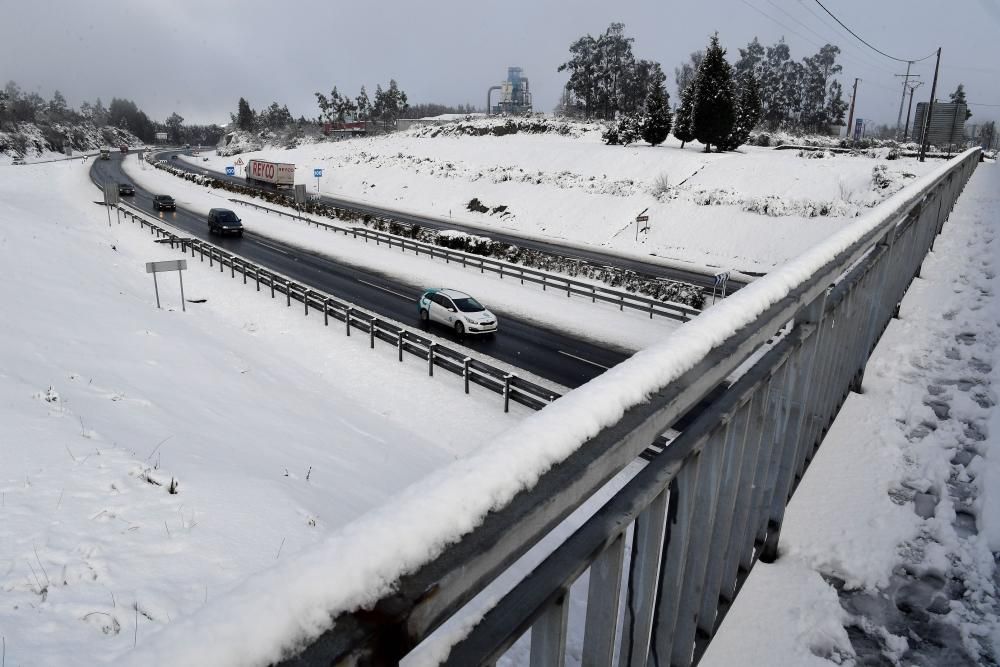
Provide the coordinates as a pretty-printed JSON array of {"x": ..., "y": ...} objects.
[
  {"x": 468, "y": 305},
  {"x": 228, "y": 216}
]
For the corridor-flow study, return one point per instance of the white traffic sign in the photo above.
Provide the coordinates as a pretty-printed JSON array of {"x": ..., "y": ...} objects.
[{"x": 177, "y": 265}]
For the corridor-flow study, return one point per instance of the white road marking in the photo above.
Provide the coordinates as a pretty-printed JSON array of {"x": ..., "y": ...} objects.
[
  {"x": 385, "y": 289},
  {"x": 586, "y": 361},
  {"x": 275, "y": 248}
]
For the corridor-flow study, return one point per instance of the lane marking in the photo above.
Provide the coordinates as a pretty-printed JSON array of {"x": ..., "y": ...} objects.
[
  {"x": 275, "y": 248},
  {"x": 586, "y": 361},
  {"x": 385, "y": 289}
]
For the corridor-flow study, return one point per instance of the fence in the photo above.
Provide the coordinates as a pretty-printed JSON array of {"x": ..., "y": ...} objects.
[
  {"x": 471, "y": 370},
  {"x": 702, "y": 512},
  {"x": 674, "y": 311}
]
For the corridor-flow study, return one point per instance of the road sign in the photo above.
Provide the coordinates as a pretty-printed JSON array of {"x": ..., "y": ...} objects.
[
  {"x": 642, "y": 218},
  {"x": 300, "y": 193},
  {"x": 859, "y": 128},
  {"x": 721, "y": 278},
  {"x": 177, "y": 265},
  {"x": 230, "y": 170},
  {"x": 239, "y": 162},
  {"x": 317, "y": 173}
]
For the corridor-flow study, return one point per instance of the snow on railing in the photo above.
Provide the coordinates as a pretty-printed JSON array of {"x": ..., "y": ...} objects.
[{"x": 417, "y": 559}]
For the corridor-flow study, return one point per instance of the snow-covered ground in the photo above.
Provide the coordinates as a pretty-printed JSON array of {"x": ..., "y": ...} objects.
[
  {"x": 900, "y": 510},
  {"x": 271, "y": 430},
  {"x": 604, "y": 323},
  {"x": 749, "y": 210}
]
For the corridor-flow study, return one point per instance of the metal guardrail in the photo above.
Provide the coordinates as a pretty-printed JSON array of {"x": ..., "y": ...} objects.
[
  {"x": 699, "y": 514},
  {"x": 668, "y": 309},
  {"x": 471, "y": 370}
]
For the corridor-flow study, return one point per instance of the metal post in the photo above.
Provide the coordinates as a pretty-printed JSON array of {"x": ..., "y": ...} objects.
[
  {"x": 347, "y": 320},
  {"x": 399, "y": 344},
  {"x": 288, "y": 294},
  {"x": 930, "y": 109},
  {"x": 305, "y": 302},
  {"x": 430, "y": 359},
  {"x": 372, "y": 324},
  {"x": 506, "y": 392},
  {"x": 180, "y": 275},
  {"x": 465, "y": 373},
  {"x": 326, "y": 312},
  {"x": 155, "y": 286}
]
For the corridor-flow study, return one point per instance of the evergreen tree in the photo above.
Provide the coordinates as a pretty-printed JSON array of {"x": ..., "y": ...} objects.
[
  {"x": 836, "y": 107},
  {"x": 774, "y": 71},
  {"x": 244, "y": 115},
  {"x": 656, "y": 121},
  {"x": 959, "y": 97},
  {"x": 58, "y": 107},
  {"x": 684, "y": 118},
  {"x": 751, "y": 60},
  {"x": 363, "y": 105},
  {"x": 714, "y": 110},
  {"x": 748, "y": 111},
  {"x": 174, "y": 123},
  {"x": 686, "y": 72}
]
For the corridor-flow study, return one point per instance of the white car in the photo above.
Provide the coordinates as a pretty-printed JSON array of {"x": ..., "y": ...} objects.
[{"x": 456, "y": 310}]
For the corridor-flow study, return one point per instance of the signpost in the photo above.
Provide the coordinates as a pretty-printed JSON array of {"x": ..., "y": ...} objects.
[
  {"x": 720, "y": 282},
  {"x": 642, "y": 217},
  {"x": 111, "y": 199},
  {"x": 300, "y": 194},
  {"x": 317, "y": 173},
  {"x": 239, "y": 162},
  {"x": 230, "y": 170},
  {"x": 177, "y": 265},
  {"x": 859, "y": 126}
]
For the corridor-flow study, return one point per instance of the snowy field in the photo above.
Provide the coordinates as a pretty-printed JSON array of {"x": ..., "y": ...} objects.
[
  {"x": 152, "y": 460},
  {"x": 749, "y": 210},
  {"x": 603, "y": 323},
  {"x": 901, "y": 507}
]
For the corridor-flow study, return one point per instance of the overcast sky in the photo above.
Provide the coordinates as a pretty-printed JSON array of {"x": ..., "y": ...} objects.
[{"x": 198, "y": 58}]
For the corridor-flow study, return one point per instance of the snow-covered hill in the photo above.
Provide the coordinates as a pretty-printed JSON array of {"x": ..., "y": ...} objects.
[{"x": 32, "y": 142}]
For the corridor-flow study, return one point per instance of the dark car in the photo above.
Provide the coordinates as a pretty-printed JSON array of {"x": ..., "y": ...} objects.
[
  {"x": 163, "y": 203},
  {"x": 223, "y": 221},
  {"x": 126, "y": 189},
  {"x": 173, "y": 157}
]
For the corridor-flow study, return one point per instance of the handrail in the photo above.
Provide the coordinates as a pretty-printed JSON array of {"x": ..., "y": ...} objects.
[{"x": 669, "y": 309}]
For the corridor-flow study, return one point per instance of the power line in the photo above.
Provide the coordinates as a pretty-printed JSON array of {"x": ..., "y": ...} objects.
[
  {"x": 848, "y": 43},
  {"x": 980, "y": 104},
  {"x": 902, "y": 60}
]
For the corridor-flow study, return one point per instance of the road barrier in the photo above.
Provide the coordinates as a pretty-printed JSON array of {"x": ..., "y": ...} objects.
[
  {"x": 668, "y": 309},
  {"x": 472, "y": 370},
  {"x": 699, "y": 514}
]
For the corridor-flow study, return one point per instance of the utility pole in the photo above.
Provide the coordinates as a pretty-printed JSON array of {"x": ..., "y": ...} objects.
[
  {"x": 850, "y": 118},
  {"x": 906, "y": 80},
  {"x": 906, "y": 128},
  {"x": 930, "y": 108}
]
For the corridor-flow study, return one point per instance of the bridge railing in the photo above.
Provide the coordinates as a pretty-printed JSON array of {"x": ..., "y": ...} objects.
[{"x": 681, "y": 534}]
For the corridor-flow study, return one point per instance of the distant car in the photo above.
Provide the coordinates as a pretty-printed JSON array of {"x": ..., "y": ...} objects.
[
  {"x": 173, "y": 157},
  {"x": 105, "y": 153},
  {"x": 456, "y": 310},
  {"x": 164, "y": 203},
  {"x": 18, "y": 161},
  {"x": 204, "y": 159},
  {"x": 126, "y": 189},
  {"x": 222, "y": 221}
]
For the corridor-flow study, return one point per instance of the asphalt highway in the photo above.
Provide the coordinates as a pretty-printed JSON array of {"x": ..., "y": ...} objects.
[
  {"x": 547, "y": 353},
  {"x": 595, "y": 256}
]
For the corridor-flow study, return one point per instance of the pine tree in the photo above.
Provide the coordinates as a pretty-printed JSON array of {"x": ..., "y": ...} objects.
[
  {"x": 714, "y": 110},
  {"x": 244, "y": 115},
  {"x": 174, "y": 123},
  {"x": 684, "y": 118},
  {"x": 655, "y": 127},
  {"x": 959, "y": 98},
  {"x": 748, "y": 112}
]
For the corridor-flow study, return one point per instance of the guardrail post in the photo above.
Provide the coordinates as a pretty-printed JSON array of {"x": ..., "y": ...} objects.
[
  {"x": 209, "y": 257},
  {"x": 593, "y": 294},
  {"x": 465, "y": 373},
  {"x": 650, "y": 310},
  {"x": 548, "y": 635},
  {"x": 430, "y": 359},
  {"x": 288, "y": 293},
  {"x": 326, "y": 312},
  {"x": 621, "y": 303},
  {"x": 232, "y": 267},
  {"x": 270, "y": 280},
  {"x": 372, "y": 324},
  {"x": 347, "y": 320},
  {"x": 399, "y": 344},
  {"x": 222, "y": 266},
  {"x": 305, "y": 302},
  {"x": 506, "y": 392},
  {"x": 501, "y": 272},
  {"x": 568, "y": 287},
  {"x": 481, "y": 265}
]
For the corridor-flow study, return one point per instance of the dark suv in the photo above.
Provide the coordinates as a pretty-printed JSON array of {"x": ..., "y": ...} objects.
[
  {"x": 164, "y": 202},
  {"x": 223, "y": 221},
  {"x": 126, "y": 189}
]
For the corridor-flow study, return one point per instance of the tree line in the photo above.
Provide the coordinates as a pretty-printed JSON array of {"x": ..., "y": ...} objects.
[
  {"x": 18, "y": 106},
  {"x": 386, "y": 106}
]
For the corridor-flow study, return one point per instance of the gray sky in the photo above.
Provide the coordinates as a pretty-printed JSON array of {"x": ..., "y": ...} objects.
[{"x": 198, "y": 58}]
